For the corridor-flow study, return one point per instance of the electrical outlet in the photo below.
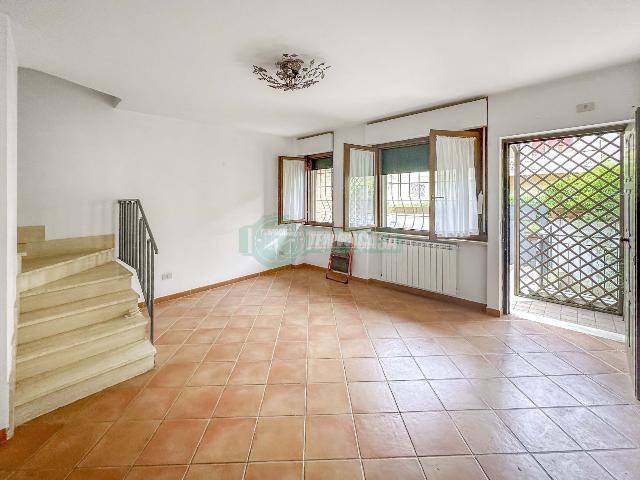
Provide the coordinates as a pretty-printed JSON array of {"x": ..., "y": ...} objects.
[
  {"x": 586, "y": 107},
  {"x": 167, "y": 276}
]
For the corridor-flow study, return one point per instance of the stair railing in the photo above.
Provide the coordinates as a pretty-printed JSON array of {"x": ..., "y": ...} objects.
[{"x": 137, "y": 248}]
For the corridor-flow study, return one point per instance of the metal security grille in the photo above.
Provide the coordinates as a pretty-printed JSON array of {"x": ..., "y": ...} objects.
[
  {"x": 361, "y": 201},
  {"x": 568, "y": 204},
  {"x": 405, "y": 202},
  {"x": 321, "y": 190}
]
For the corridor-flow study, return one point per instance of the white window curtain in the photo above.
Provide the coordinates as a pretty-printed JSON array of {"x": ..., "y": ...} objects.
[
  {"x": 361, "y": 188},
  {"x": 293, "y": 172},
  {"x": 455, "y": 189}
]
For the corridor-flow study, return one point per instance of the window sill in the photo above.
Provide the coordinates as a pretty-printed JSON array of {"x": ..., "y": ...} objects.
[
  {"x": 425, "y": 238},
  {"x": 470, "y": 240},
  {"x": 304, "y": 224},
  {"x": 321, "y": 225}
]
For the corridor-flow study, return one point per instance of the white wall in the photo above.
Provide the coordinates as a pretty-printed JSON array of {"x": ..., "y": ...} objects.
[
  {"x": 542, "y": 108},
  {"x": 472, "y": 256},
  {"x": 472, "y": 264},
  {"x": 8, "y": 230},
  {"x": 316, "y": 144},
  {"x": 66, "y": 128},
  {"x": 199, "y": 184},
  {"x": 321, "y": 236},
  {"x": 456, "y": 117},
  {"x": 537, "y": 109}
]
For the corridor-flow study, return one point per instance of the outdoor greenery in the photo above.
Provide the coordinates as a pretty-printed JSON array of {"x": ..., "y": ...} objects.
[{"x": 593, "y": 191}]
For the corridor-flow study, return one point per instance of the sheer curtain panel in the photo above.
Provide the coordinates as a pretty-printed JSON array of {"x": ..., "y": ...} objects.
[
  {"x": 293, "y": 174},
  {"x": 456, "y": 209},
  {"x": 361, "y": 188}
]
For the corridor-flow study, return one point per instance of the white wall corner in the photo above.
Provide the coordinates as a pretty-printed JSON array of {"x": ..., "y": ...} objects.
[
  {"x": 8, "y": 213},
  {"x": 544, "y": 108}
]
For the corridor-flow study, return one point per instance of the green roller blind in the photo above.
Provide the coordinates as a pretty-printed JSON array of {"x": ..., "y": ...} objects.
[
  {"x": 321, "y": 163},
  {"x": 414, "y": 158}
]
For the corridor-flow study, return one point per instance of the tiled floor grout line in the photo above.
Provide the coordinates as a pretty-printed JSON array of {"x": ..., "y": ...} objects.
[
  {"x": 455, "y": 425},
  {"x": 542, "y": 410},
  {"x": 550, "y": 377},
  {"x": 264, "y": 391},
  {"x": 589, "y": 453},
  {"x": 86, "y": 453},
  {"x": 206, "y": 427},
  {"x": 306, "y": 394},
  {"x": 555, "y": 312},
  {"x": 533, "y": 454},
  {"x": 364, "y": 323},
  {"x": 307, "y": 345},
  {"x": 394, "y": 398},
  {"x": 166, "y": 362},
  {"x": 209, "y": 420},
  {"x": 569, "y": 363},
  {"x": 346, "y": 385},
  {"x": 483, "y": 354},
  {"x": 112, "y": 423},
  {"x": 528, "y": 452}
]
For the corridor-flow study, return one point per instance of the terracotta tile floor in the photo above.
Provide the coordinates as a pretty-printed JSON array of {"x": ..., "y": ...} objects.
[
  {"x": 564, "y": 313},
  {"x": 606, "y": 322},
  {"x": 292, "y": 376}
]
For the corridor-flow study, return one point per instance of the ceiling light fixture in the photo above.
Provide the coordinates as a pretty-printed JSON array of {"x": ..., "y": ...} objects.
[{"x": 292, "y": 73}]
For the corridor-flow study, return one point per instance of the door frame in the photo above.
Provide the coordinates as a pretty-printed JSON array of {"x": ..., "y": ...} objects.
[
  {"x": 635, "y": 380},
  {"x": 505, "y": 215}
]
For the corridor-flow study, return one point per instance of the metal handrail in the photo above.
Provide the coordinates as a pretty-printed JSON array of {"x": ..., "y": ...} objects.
[
  {"x": 137, "y": 248},
  {"x": 144, "y": 217}
]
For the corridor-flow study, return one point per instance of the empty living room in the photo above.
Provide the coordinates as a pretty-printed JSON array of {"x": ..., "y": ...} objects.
[{"x": 319, "y": 240}]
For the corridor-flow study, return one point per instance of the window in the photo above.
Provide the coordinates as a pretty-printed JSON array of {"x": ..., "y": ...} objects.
[
  {"x": 320, "y": 190},
  {"x": 432, "y": 186},
  {"x": 305, "y": 189},
  {"x": 292, "y": 187},
  {"x": 456, "y": 162},
  {"x": 359, "y": 187},
  {"x": 404, "y": 187}
]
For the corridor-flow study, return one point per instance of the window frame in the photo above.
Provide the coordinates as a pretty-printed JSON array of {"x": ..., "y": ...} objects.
[
  {"x": 310, "y": 158},
  {"x": 480, "y": 155},
  {"x": 345, "y": 186},
  {"x": 481, "y": 149},
  {"x": 307, "y": 193},
  {"x": 401, "y": 143},
  {"x": 281, "y": 160}
]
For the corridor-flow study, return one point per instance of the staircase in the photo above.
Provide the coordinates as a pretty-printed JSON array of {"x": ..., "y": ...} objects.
[{"x": 79, "y": 328}]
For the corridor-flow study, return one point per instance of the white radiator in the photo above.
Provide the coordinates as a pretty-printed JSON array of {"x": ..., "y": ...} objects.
[{"x": 419, "y": 264}]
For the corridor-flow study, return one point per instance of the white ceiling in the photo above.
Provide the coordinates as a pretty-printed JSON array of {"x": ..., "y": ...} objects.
[{"x": 192, "y": 58}]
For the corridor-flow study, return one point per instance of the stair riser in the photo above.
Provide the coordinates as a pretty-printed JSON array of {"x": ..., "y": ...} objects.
[
  {"x": 76, "y": 353},
  {"x": 37, "y": 278},
  {"x": 29, "y": 333},
  {"x": 65, "y": 246},
  {"x": 61, "y": 379},
  {"x": 82, "y": 292},
  {"x": 42, "y": 405}
]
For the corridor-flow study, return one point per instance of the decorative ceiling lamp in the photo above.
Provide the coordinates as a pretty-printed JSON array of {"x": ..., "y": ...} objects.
[{"x": 292, "y": 73}]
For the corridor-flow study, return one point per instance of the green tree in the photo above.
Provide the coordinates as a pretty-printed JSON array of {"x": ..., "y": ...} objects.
[{"x": 595, "y": 191}]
